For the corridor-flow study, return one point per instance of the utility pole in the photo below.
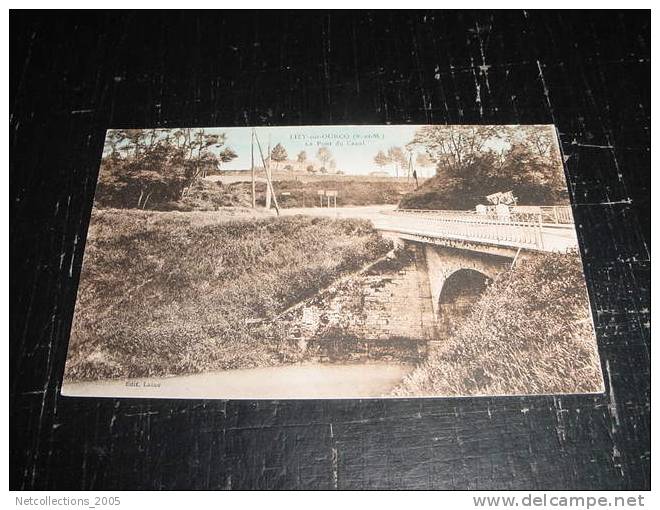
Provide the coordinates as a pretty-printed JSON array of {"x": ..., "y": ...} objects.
[
  {"x": 412, "y": 172},
  {"x": 269, "y": 188},
  {"x": 254, "y": 195},
  {"x": 267, "y": 170}
]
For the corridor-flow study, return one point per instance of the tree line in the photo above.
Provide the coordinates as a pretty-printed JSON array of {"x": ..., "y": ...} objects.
[
  {"x": 150, "y": 168},
  {"x": 142, "y": 167},
  {"x": 474, "y": 161},
  {"x": 396, "y": 156},
  {"x": 324, "y": 156}
]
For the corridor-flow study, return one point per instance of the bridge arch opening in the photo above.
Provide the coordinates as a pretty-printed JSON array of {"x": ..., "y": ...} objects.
[{"x": 459, "y": 293}]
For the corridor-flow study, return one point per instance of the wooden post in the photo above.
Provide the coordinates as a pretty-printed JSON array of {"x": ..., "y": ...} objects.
[
  {"x": 254, "y": 191},
  {"x": 540, "y": 227},
  {"x": 267, "y": 170},
  {"x": 408, "y": 172},
  {"x": 269, "y": 183}
]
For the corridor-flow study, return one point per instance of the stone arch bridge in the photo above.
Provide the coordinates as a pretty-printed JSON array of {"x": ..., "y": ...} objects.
[
  {"x": 450, "y": 257},
  {"x": 463, "y": 250}
]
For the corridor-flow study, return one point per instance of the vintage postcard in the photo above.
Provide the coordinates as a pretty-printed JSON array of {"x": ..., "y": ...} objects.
[{"x": 332, "y": 262}]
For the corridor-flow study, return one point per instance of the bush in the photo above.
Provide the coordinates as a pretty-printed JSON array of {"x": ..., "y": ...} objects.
[
  {"x": 440, "y": 193},
  {"x": 452, "y": 192}
]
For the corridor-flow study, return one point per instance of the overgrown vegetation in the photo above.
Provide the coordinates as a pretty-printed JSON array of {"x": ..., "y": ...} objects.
[
  {"x": 211, "y": 196},
  {"x": 146, "y": 168},
  {"x": 475, "y": 161},
  {"x": 205, "y": 195},
  {"x": 163, "y": 170},
  {"x": 530, "y": 332},
  {"x": 350, "y": 192},
  {"x": 169, "y": 293}
]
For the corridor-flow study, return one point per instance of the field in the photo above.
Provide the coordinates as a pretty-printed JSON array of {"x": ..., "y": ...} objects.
[
  {"x": 166, "y": 293},
  {"x": 530, "y": 332},
  {"x": 292, "y": 193},
  {"x": 212, "y": 194}
]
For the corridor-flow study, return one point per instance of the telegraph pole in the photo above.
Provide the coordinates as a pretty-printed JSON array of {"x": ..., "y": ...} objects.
[
  {"x": 254, "y": 196},
  {"x": 413, "y": 172},
  {"x": 267, "y": 170},
  {"x": 269, "y": 188}
]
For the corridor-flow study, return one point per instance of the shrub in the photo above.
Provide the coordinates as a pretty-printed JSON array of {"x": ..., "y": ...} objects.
[{"x": 453, "y": 192}]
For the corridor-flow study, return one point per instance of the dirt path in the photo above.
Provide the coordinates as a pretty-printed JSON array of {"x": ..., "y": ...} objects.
[
  {"x": 374, "y": 213},
  {"x": 309, "y": 380}
]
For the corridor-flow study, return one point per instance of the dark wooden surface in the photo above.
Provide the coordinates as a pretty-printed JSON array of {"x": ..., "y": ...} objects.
[{"x": 72, "y": 76}]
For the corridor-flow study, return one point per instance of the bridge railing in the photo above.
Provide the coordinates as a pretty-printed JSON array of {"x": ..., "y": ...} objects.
[
  {"x": 549, "y": 215},
  {"x": 520, "y": 229},
  {"x": 561, "y": 214}
]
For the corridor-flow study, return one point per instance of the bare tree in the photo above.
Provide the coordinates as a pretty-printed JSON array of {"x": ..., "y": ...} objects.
[
  {"x": 540, "y": 139},
  {"x": 397, "y": 157}
]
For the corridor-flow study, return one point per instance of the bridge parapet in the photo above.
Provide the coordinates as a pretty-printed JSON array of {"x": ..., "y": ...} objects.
[
  {"x": 524, "y": 230},
  {"x": 548, "y": 215},
  {"x": 517, "y": 229}
]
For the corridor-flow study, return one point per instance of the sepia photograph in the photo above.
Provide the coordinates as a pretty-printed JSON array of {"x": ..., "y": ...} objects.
[
  {"x": 360, "y": 248},
  {"x": 332, "y": 262}
]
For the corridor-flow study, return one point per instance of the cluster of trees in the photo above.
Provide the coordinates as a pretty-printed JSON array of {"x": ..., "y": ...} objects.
[
  {"x": 161, "y": 168},
  {"x": 396, "y": 156},
  {"x": 474, "y": 161},
  {"x": 323, "y": 155},
  {"x": 145, "y": 167}
]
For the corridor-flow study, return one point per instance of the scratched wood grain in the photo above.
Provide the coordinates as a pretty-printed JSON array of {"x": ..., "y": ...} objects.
[{"x": 72, "y": 76}]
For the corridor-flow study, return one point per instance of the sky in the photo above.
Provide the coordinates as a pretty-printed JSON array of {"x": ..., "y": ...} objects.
[{"x": 353, "y": 147}]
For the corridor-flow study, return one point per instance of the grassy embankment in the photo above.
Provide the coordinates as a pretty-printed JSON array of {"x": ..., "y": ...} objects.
[
  {"x": 530, "y": 332},
  {"x": 443, "y": 193},
  {"x": 447, "y": 192},
  {"x": 209, "y": 196},
  {"x": 171, "y": 293}
]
